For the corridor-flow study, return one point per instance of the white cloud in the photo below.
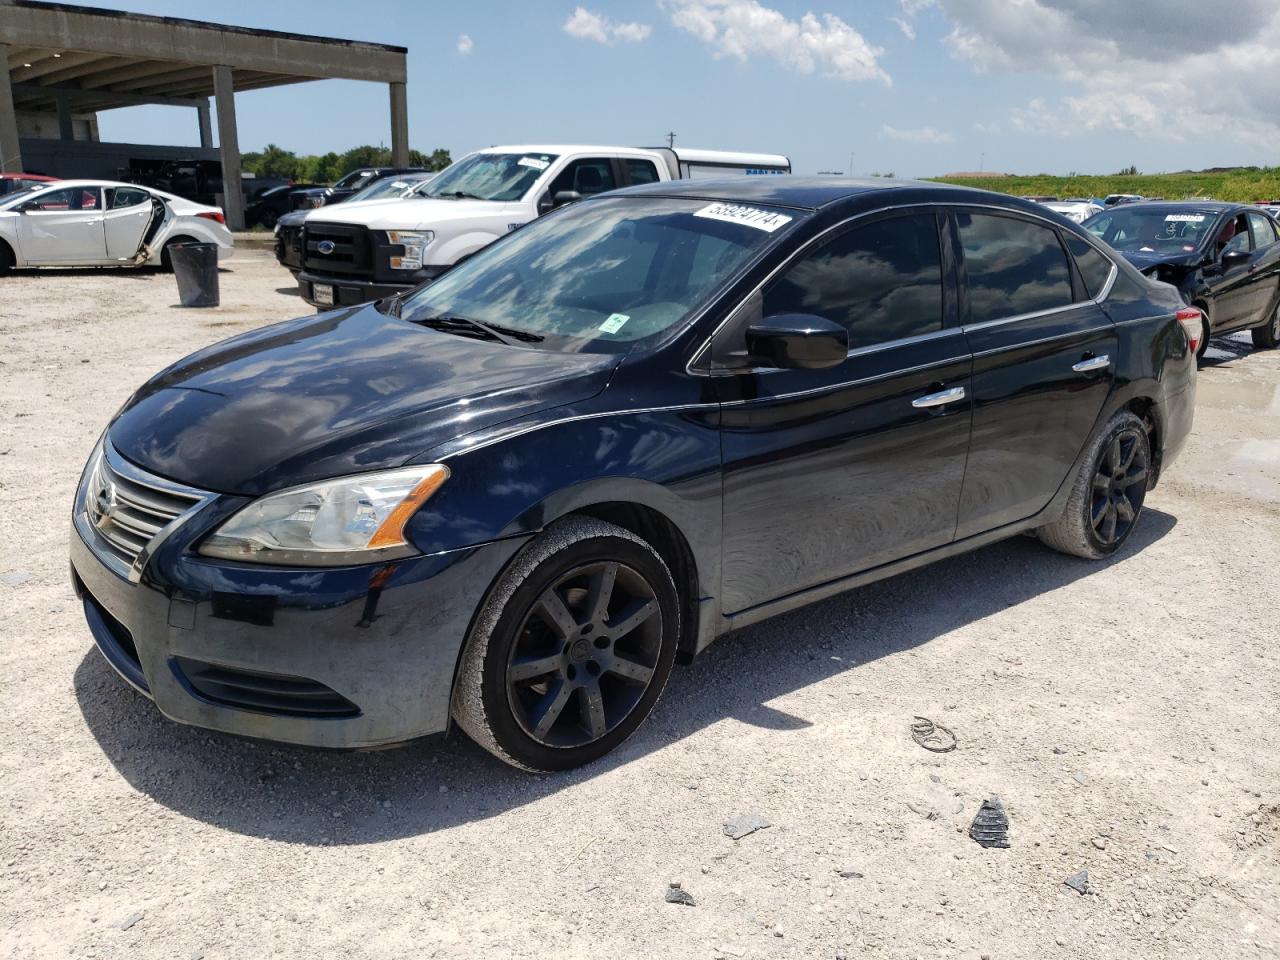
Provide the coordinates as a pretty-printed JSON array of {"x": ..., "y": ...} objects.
[
  {"x": 743, "y": 29},
  {"x": 465, "y": 44},
  {"x": 918, "y": 135},
  {"x": 907, "y": 29},
  {"x": 585, "y": 25},
  {"x": 1190, "y": 69}
]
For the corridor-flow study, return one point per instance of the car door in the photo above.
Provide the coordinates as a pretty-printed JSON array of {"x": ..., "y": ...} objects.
[
  {"x": 833, "y": 471},
  {"x": 1044, "y": 360},
  {"x": 128, "y": 212},
  {"x": 63, "y": 226},
  {"x": 1229, "y": 281},
  {"x": 1264, "y": 268}
]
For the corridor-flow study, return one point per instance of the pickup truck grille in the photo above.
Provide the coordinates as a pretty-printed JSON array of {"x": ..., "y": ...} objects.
[{"x": 337, "y": 248}]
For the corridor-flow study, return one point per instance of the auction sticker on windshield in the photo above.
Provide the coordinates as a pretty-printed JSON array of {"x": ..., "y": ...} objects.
[
  {"x": 614, "y": 323},
  {"x": 1184, "y": 218},
  {"x": 765, "y": 220},
  {"x": 535, "y": 162}
]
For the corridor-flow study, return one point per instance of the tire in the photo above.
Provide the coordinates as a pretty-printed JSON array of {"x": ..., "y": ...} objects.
[
  {"x": 166, "y": 264},
  {"x": 1205, "y": 333},
  {"x": 1107, "y": 496},
  {"x": 6, "y": 258},
  {"x": 268, "y": 218},
  {"x": 1267, "y": 337},
  {"x": 547, "y": 687}
]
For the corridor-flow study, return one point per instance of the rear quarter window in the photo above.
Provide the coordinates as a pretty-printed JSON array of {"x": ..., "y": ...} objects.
[{"x": 1094, "y": 267}]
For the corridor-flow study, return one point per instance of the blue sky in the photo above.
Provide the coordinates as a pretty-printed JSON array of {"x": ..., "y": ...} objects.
[{"x": 916, "y": 87}]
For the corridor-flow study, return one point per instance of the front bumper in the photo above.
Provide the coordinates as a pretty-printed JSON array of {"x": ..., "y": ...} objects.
[
  {"x": 337, "y": 657},
  {"x": 349, "y": 291}
]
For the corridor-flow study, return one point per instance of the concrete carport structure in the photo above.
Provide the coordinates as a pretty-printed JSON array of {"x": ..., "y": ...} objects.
[{"x": 61, "y": 58}]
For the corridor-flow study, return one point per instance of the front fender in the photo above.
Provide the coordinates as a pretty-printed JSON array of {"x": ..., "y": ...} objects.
[
  {"x": 450, "y": 251},
  {"x": 516, "y": 478}
]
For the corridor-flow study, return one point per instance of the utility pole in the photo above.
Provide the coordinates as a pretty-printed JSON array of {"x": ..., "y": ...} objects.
[{"x": 671, "y": 139}]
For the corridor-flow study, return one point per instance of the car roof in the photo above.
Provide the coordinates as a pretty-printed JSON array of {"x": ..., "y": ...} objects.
[
  {"x": 1205, "y": 206},
  {"x": 812, "y": 193}
]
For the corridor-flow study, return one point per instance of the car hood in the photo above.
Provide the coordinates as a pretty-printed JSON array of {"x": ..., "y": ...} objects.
[
  {"x": 293, "y": 218},
  {"x": 1146, "y": 259},
  {"x": 339, "y": 393},
  {"x": 412, "y": 213}
]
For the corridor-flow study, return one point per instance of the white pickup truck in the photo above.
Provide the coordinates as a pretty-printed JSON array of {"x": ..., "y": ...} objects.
[{"x": 353, "y": 252}]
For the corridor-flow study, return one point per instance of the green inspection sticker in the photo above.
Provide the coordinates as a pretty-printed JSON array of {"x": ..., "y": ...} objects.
[{"x": 614, "y": 323}]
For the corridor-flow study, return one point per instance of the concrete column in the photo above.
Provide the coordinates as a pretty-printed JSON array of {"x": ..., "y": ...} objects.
[
  {"x": 206, "y": 125},
  {"x": 399, "y": 125},
  {"x": 10, "y": 151},
  {"x": 229, "y": 147},
  {"x": 65, "y": 129}
]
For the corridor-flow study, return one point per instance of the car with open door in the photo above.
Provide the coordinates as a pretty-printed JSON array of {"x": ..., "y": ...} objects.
[
  {"x": 101, "y": 223},
  {"x": 514, "y": 497},
  {"x": 1224, "y": 258}
]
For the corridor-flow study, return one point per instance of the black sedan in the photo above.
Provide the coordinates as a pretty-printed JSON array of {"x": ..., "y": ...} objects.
[
  {"x": 517, "y": 495},
  {"x": 271, "y": 204},
  {"x": 351, "y": 184},
  {"x": 1224, "y": 258}
]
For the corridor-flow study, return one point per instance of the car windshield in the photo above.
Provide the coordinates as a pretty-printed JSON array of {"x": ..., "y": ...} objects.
[
  {"x": 491, "y": 176},
  {"x": 387, "y": 187},
  {"x": 600, "y": 276},
  {"x": 353, "y": 179},
  {"x": 1152, "y": 228}
]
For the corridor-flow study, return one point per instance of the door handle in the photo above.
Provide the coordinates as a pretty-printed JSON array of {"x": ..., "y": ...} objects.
[
  {"x": 940, "y": 399},
  {"x": 1089, "y": 364}
]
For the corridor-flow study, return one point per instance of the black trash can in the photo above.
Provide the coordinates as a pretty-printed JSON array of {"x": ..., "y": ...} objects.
[{"x": 196, "y": 267}]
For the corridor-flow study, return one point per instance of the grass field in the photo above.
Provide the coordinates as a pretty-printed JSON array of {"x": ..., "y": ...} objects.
[{"x": 1242, "y": 184}]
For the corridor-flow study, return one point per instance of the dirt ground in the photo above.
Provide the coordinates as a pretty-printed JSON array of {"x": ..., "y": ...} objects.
[{"x": 1125, "y": 712}]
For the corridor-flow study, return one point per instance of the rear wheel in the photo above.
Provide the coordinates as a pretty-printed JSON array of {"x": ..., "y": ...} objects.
[
  {"x": 572, "y": 647},
  {"x": 166, "y": 263},
  {"x": 1108, "y": 493},
  {"x": 6, "y": 258},
  {"x": 1267, "y": 337},
  {"x": 1205, "y": 333}
]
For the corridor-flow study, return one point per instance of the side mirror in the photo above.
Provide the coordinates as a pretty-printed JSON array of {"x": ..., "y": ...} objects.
[
  {"x": 1234, "y": 258},
  {"x": 794, "y": 341},
  {"x": 563, "y": 197}
]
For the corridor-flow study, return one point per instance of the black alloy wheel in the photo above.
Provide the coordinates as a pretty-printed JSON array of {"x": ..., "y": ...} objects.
[
  {"x": 571, "y": 648},
  {"x": 1119, "y": 486},
  {"x": 1267, "y": 336},
  {"x": 584, "y": 655}
]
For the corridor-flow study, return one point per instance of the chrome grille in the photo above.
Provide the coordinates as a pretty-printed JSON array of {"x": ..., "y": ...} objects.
[{"x": 123, "y": 510}]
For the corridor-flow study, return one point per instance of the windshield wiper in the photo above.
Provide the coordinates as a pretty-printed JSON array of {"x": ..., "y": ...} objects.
[{"x": 501, "y": 334}]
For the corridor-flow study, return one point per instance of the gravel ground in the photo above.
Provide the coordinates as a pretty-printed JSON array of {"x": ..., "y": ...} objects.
[{"x": 1125, "y": 712}]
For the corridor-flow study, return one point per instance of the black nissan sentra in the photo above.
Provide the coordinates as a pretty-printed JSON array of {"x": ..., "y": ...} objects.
[{"x": 516, "y": 496}]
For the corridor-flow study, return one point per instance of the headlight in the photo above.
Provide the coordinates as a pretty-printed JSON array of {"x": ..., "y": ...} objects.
[
  {"x": 350, "y": 520},
  {"x": 414, "y": 242}
]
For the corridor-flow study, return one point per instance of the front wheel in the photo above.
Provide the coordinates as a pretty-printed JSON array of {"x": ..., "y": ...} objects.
[
  {"x": 571, "y": 649},
  {"x": 1107, "y": 495},
  {"x": 1267, "y": 337}
]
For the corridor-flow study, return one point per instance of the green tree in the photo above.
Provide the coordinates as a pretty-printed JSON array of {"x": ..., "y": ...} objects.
[{"x": 437, "y": 159}]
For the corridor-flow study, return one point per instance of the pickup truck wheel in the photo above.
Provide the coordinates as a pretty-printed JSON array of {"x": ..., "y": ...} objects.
[
  {"x": 1267, "y": 337},
  {"x": 571, "y": 649},
  {"x": 1106, "y": 498}
]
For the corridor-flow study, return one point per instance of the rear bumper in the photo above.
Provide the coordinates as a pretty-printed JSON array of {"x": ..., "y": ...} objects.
[{"x": 339, "y": 658}]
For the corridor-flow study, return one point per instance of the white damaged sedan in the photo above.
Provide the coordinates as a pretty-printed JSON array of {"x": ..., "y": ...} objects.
[{"x": 101, "y": 223}]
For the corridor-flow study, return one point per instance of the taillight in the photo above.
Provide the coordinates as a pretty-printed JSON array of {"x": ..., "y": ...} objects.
[
  {"x": 214, "y": 215},
  {"x": 1192, "y": 321}
]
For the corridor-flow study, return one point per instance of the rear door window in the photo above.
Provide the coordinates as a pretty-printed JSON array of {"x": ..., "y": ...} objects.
[
  {"x": 882, "y": 281},
  {"x": 1264, "y": 230},
  {"x": 121, "y": 197},
  {"x": 1014, "y": 266},
  {"x": 641, "y": 171},
  {"x": 588, "y": 176},
  {"x": 1095, "y": 269}
]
